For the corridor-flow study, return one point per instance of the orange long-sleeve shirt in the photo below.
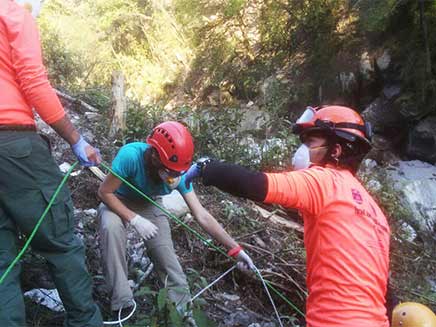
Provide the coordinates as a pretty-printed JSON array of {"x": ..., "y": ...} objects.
[
  {"x": 23, "y": 78},
  {"x": 346, "y": 236}
]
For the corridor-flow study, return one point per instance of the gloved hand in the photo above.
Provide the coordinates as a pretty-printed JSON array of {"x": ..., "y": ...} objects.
[
  {"x": 87, "y": 155},
  {"x": 193, "y": 172},
  {"x": 196, "y": 170},
  {"x": 244, "y": 262},
  {"x": 144, "y": 227}
]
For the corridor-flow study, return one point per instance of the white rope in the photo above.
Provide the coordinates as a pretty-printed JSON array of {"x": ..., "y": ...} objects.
[
  {"x": 211, "y": 284},
  {"x": 120, "y": 321},
  {"x": 269, "y": 295}
]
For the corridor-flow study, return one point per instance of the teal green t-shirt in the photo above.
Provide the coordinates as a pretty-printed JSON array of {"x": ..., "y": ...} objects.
[{"x": 129, "y": 163}]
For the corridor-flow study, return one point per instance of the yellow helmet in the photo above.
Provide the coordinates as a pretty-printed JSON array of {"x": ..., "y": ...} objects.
[{"x": 410, "y": 314}]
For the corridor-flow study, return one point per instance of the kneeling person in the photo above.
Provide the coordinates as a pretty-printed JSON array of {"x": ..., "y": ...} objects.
[{"x": 156, "y": 168}]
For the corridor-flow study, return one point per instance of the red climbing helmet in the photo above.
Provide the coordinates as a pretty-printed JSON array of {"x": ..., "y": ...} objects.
[
  {"x": 174, "y": 143},
  {"x": 344, "y": 122}
]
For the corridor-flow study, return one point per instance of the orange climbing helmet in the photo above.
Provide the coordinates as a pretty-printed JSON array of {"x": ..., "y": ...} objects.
[
  {"x": 174, "y": 144},
  {"x": 343, "y": 122}
]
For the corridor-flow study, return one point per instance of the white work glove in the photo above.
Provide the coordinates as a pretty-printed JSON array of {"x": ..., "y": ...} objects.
[
  {"x": 144, "y": 227},
  {"x": 244, "y": 261}
]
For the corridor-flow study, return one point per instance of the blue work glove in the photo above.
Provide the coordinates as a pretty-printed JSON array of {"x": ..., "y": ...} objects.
[
  {"x": 87, "y": 155},
  {"x": 193, "y": 172},
  {"x": 196, "y": 170}
]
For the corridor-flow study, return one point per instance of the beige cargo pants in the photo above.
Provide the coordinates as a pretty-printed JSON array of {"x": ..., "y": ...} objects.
[{"x": 113, "y": 242}]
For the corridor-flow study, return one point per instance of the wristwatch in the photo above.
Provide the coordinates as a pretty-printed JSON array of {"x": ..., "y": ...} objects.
[{"x": 202, "y": 163}]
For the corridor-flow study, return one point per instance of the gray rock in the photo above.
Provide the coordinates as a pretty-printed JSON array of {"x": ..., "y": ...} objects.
[
  {"x": 421, "y": 143},
  {"x": 383, "y": 150},
  {"x": 90, "y": 212},
  {"x": 368, "y": 164},
  {"x": 383, "y": 61},
  {"x": 408, "y": 232},
  {"x": 93, "y": 117},
  {"x": 48, "y": 298},
  {"x": 366, "y": 65},
  {"x": 383, "y": 114},
  {"x": 416, "y": 181},
  {"x": 175, "y": 204},
  {"x": 391, "y": 91},
  {"x": 243, "y": 317},
  {"x": 229, "y": 297},
  {"x": 253, "y": 119},
  {"x": 374, "y": 185},
  {"x": 432, "y": 282}
]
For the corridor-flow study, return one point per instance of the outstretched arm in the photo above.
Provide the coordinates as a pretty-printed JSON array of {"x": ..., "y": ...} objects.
[
  {"x": 208, "y": 222},
  {"x": 236, "y": 180},
  {"x": 214, "y": 229},
  {"x": 296, "y": 189}
]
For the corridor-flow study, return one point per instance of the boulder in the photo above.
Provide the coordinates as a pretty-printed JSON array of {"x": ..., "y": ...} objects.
[
  {"x": 253, "y": 119},
  {"x": 382, "y": 113},
  {"x": 175, "y": 204},
  {"x": 383, "y": 61},
  {"x": 416, "y": 182},
  {"x": 383, "y": 150},
  {"x": 421, "y": 142}
]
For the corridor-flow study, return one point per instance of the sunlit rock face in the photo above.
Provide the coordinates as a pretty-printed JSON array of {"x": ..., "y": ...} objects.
[{"x": 416, "y": 181}]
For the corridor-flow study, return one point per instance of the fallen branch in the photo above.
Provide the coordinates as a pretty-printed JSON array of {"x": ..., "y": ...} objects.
[
  {"x": 97, "y": 172},
  {"x": 272, "y": 217},
  {"x": 256, "y": 248},
  {"x": 76, "y": 101}
]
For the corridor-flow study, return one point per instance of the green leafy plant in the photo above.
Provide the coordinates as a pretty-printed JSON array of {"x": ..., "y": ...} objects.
[{"x": 164, "y": 312}]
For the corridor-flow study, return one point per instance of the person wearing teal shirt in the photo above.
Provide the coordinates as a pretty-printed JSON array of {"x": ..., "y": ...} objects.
[{"x": 156, "y": 168}]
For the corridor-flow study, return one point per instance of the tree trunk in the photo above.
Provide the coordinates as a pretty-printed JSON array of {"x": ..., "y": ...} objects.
[{"x": 119, "y": 107}]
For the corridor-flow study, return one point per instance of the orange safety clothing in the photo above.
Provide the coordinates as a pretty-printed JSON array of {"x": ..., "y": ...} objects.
[
  {"x": 346, "y": 236},
  {"x": 23, "y": 78}
]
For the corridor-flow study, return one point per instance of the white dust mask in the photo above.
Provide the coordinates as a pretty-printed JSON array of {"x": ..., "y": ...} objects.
[
  {"x": 172, "y": 182},
  {"x": 301, "y": 158}
]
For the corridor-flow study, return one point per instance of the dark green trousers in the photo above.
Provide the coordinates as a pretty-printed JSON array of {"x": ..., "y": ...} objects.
[{"x": 28, "y": 178}]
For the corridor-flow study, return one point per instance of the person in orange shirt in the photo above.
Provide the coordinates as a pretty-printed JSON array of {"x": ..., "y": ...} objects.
[
  {"x": 346, "y": 234},
  {"x": 29, "y": 176}
]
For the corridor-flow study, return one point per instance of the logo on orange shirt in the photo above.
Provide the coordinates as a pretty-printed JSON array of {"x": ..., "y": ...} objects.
[{"x": 357, "y": 197}]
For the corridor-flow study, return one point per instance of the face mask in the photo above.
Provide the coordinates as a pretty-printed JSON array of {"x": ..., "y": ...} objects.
[
  {"x": 172, "y": 182},
  {"x": 34, "y": 6},
  {"x": 301, "y": 158}
]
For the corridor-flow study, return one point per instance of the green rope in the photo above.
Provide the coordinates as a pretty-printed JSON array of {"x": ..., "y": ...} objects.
[
  {"x": 169, "y": 214},
  {"x": 35, "y": 229},
  {"x": 209, "y": 243}
]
